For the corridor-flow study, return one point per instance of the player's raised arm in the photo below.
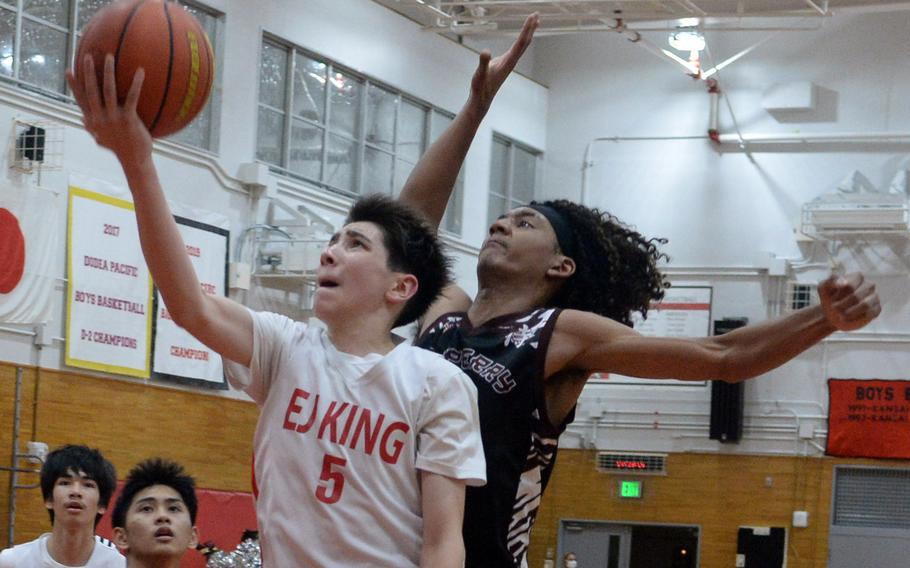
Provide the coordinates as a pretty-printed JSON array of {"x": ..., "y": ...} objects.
[
  {"x": 430, "y": 184},
  {"x": 587, "y": 342},
  {"x": 221, "y": 324}
]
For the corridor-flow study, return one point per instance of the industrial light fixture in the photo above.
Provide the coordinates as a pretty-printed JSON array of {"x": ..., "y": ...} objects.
[{"x": 687, "y": 37}]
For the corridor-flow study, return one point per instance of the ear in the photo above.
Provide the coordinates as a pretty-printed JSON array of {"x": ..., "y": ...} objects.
[
  {"x": 120, "y": 539},
  {"x": 562, "y": 267},
  {"x": 193, "y": 541},
  {"x": 102, "y": 510},
  {"x": 403, "y": 289}
]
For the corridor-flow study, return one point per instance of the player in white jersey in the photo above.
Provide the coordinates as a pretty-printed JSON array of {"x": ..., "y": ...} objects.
[
  {"x": 363, "y": 448},
  {"x": 155, "y": 515},
  {"x": 77, "y": 483}
]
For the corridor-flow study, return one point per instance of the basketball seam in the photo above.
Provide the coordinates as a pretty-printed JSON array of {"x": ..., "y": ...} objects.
[
  {"x": 170, "y": 66},
  {"x": 123, "y": 31}
]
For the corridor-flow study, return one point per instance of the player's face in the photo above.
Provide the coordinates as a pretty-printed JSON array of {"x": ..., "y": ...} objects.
[
  {"x": 522, "y": 241},
  {"x": 75, "y": 499},
  {"x": 353, "y": 275},
  {"x": 157, "y": 525}
]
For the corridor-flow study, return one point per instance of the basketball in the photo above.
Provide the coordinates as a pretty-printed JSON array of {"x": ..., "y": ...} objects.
[{"x": 168, "y": 43}]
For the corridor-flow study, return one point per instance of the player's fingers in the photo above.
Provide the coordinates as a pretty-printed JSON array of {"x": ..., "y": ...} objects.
[
  {"x": 132, "y": 97},
  {"x": 866, "y": 310},
  {"x": 90, "y": 84},
  {"x": 480, "y": 75},
  {"x": 110, "y": 84},
  {"x": 524, "y": 39}
]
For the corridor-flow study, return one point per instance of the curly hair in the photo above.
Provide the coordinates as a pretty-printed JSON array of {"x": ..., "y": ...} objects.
[
  {"x": 616, "y": 270},
  {"x": 413, "y": 248}
]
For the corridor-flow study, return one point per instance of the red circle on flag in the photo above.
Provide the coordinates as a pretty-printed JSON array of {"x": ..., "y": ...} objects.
[{"x": 12, "y": 252}]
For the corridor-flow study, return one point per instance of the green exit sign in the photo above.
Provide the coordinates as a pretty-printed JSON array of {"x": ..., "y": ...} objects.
[{"x": 630, "y": 489}]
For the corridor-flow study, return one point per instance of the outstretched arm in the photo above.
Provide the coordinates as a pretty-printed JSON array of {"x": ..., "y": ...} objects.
[
  {"x": 588, "y": 343},
  {"x": 430, "y": 184},
  {"x": 221, "y": 324}
]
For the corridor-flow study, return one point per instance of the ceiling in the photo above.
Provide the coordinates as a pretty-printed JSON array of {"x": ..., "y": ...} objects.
[{"x": 481, "y": 18}]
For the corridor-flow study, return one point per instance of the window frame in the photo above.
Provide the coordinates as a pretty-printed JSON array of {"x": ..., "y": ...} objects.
[
  {"x": 363, "y": 145},
  {"x": 511, "y": 201}
]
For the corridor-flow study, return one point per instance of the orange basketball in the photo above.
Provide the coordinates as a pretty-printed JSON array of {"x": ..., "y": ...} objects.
[{"x": 165, "y": 40}]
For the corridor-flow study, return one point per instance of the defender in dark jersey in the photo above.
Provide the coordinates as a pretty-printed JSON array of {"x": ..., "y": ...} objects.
[{"x": 557, "y": 284}]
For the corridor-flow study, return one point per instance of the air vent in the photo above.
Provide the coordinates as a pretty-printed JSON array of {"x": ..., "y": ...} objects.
[{"x": 626, "y": 463}]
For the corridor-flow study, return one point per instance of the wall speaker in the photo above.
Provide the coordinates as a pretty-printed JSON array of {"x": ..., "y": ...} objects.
[{"x": 726, "y": 398}]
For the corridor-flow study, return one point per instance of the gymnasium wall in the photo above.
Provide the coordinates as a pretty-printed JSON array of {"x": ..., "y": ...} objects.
[
  {"x": 717, "y": 493},
  {"x": 730, "y": 213},
  {"x": 128, "y": 421}
]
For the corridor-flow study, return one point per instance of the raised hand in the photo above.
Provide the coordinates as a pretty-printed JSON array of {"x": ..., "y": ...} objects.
[
  {"x": 114, "y": 126},
  {"x": 849, "y": 302},
  {"x": 492, "y": 73}
]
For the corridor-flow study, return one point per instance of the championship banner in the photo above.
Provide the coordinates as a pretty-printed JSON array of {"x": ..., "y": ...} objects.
[
  {"x": 868, "y": 418},
  {"x": 109, "y": 297},
  {"x": 178, "y": 355},
  {"x": 684, "y": 311},
  {"x": 30, "y": 223}
]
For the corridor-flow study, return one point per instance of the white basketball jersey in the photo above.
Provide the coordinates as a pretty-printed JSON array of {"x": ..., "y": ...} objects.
[{"x": 340, "y": 440}]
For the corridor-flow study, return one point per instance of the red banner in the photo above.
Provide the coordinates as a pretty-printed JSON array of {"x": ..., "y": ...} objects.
[{"x": 868, "y": 418}]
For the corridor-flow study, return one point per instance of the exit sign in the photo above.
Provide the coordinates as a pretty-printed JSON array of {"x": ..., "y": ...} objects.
[{"x": 630, "y": 489}]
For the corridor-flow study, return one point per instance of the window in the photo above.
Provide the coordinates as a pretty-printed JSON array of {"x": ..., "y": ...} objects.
[
  {"x": 513, "y": 176},
  {"x": 340, "y": 130},
  {"x": 37, "y": 44}
]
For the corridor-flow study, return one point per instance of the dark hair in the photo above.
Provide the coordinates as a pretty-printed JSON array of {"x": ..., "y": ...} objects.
[
  {"x": 616, "y": 270},
  {"x": 412, "y": 246},
  {"x": 80, "y": 460},
  {"x": 155, "y": 471}
]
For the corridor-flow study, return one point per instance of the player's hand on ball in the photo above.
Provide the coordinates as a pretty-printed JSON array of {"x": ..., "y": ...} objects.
[
  {"x": 114, "y": 126},
  {"x": 849, "y": 302}
]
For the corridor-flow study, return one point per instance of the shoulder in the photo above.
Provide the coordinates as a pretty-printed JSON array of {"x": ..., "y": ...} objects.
[
  {"x": 452, "y": 299},
  {"x": 27, "y": 551},
  {"x": 106, "y": 555}
]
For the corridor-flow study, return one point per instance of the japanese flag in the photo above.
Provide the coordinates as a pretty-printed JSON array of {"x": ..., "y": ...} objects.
[{"x": 30, "y": 227}]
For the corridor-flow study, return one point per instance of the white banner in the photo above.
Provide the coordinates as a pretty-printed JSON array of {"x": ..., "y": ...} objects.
[
  {"x": 30, "y": 222},
  {"x": 685, "y": 311},
  {"x": 109, "y": 297},
  {"x": 179, "y": 355}
]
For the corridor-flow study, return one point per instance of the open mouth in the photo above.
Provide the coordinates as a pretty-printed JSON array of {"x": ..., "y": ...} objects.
[
  {"x": 326, "y": 283},
  {"x": 164, "y": 533},
  {"x": 74, "y": 506}
]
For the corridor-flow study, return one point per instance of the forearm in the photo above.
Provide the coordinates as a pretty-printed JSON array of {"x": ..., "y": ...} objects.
[
  {"x": 162, "y": 245},
  {"x": 756, "y": 349},
  {"x": 448, "y": 553},
  {"x": 433, "y": 179}
]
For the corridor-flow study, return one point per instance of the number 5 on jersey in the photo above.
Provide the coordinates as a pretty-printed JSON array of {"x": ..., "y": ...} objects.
[{"x": 331, "y": 480}]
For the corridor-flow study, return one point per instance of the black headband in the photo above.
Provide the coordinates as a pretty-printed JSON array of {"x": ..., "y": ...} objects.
[{"x": 564, "y": 235}]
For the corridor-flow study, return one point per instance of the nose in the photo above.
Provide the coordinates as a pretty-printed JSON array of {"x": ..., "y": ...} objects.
[
  {"x": 327, "y": 258},
  {"x": 500, "y": 226}
]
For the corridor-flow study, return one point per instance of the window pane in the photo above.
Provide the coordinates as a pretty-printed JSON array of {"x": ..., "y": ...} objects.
[
  {"x": 309, "y": 88},
  {"x": 339, "y": 169},
  {"x": 197, "y": 132},
  {"x": 377, "y": 172},
  {"x": 43, "y": 56},
  {"x": 451, "y": 221},
  {"x": 438, "y": 123},
  {"x": 411, "y": 128},
  {"x": 345, "y": 101},
  {"x": 306, "y": 149},
  {"x": 202, "y": 131},
  {"x": 403, "y": 169},
  {"x": 7, "y": 40},
  {"x": 87, "y": 9},
  {"x": 524, "y": 175},
  {"x": 496, "y": 207},
  {"x": 499, "y": 163},
  {"x": 380, "y": 127},
  {"x": 272, "y": 75},
  {"x": 269, "y": 147},
  {"x": 53, "y": 11}
]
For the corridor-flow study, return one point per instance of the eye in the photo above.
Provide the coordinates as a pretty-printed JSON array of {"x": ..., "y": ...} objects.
[
  {"x": 175, "y": 508},
  {"x": 525, "y": 223},
  {"x": 145, "y": 508},
  {"x": 63, "y": 482},
  {"x": 91, "y": 485}
]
